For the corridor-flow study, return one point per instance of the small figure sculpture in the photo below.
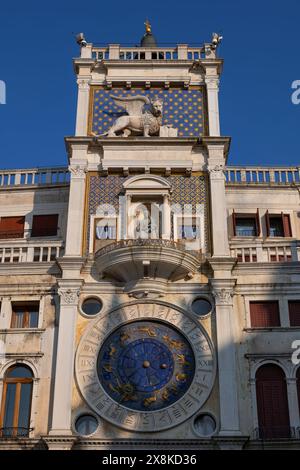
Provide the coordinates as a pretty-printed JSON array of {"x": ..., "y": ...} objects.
[
  {"x": 216, "y": 39},
  {"x": 148, "y": 27},
  {"x": 138, "y": 121}
]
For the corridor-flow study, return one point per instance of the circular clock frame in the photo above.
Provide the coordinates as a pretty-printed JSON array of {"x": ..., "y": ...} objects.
[{"x": 118, "y": 414}]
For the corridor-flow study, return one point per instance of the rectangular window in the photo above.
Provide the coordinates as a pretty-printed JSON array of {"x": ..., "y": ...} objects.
[
  {"x": 44, "y": 225},
  {"x": 278, "y": 225},
  {"x": 246, "y": 225},
  {"x": 25, "y": 315},
  {"x": 12, "y": 227},
  {"x": 188, "y": 228},
  {"x": 106, "y": 228},
  {"x": 294, "y": 312},
  {"x": 264, "y": 314}
]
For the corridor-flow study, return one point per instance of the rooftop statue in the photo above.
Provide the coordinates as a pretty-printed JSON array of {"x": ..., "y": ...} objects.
[{"x": 148, "y": 26}]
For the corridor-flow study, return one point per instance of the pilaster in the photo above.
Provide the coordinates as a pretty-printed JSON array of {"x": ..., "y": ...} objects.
[
  {"x": 68, "y": 291},
  {"x": 76, "y": 209},
  {"x": 82, "y": 106},
  {"x": 222, "y": 290}
]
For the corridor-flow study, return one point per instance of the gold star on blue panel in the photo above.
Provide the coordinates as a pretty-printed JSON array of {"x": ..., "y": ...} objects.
[{"x": 181, "y": 108}]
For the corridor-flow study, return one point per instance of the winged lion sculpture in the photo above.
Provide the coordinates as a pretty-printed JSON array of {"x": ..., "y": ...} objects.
[{"x": 138, "y": 120}]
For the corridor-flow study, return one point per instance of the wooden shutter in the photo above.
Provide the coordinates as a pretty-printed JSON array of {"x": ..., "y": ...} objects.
[
  {"x": 272, "y": 402},
  {"x": 287, "y": 232},
  {"x": 264, "y": 314},
  {"x": 267, "y": 218},
  {"x": 234, "y": 223},
  {"x": 44, "y": 225},
  {"x": 257, "y": 223},
  {"x": 294, "y": 312},
  {"x": 12, "y": 227}
]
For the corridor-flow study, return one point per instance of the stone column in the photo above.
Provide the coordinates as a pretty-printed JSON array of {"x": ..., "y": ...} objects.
[
  {"x": 76, "y": 210},
  {"x": 166, "y": 218},
  {"x": 212, "y": 87},
  {"x": 218, "y": 208},
  {"x": 293, "y": 403},
  {"x": 82, "y": 107},
  {"x": 62, "y": 399},
  {"x": 227, "y": 370}
]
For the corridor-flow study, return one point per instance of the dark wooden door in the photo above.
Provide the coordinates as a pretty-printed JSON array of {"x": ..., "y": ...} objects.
[{"x": 272, "y": 402}]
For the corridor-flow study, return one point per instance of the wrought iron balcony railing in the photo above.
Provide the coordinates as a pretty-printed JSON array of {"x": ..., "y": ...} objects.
[
  {"x": 12, "y": 432},
  {"x": 275, "y": 432}
]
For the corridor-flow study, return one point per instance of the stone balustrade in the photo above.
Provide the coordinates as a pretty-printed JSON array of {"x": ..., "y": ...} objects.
[
  {"x": 117, "y": 52},
  {"x": 262, "y": 175},
  {"x": 265, "y": 252},
  {"x": 34, "y": 177},
  {"x": 25, "y": 251}
]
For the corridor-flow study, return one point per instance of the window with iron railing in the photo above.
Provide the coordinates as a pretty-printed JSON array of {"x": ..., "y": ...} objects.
[
  {"x": 16, "y": 402},
  {"x": 246, "y": 225},
  {"x": 278, "y": 225}
]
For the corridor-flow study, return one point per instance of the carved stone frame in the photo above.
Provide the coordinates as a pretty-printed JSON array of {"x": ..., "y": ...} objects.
[{"x": 152, "y": 421}]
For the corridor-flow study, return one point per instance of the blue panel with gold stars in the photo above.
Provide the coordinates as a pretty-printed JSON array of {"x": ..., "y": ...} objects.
[
  {"x": 146, "y": 365},
  {"x": 183, "y": 109}
]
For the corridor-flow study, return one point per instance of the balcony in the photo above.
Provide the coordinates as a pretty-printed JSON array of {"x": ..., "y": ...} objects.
[
  {"x": 34, "y": 177},
  {"x": 27, "y": 251},
  {"x": 133, "y": 262},
  {"x": 265, "y": 252},
  {"x": 275, "y": 432},
  {"x": 10, "y": 432},
  {"x": 273, "y": 176}
]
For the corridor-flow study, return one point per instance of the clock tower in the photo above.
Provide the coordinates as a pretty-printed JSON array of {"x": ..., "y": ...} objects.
[{"x": 145, "y": 348}]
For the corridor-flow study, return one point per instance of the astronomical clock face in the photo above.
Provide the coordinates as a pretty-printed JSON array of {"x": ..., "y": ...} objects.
[{"x": 145, "y": 366}]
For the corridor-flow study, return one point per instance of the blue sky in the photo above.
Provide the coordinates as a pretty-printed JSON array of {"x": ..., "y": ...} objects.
[{"x": 261, "y": 49}]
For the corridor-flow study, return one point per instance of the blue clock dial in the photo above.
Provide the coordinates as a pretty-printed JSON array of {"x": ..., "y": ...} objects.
[{"x": 146, "y": 365}]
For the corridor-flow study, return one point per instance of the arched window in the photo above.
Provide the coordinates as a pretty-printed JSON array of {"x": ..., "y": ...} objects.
[
  {"x": 272, "y": 402},
  {"x": 16, "y": 401}
]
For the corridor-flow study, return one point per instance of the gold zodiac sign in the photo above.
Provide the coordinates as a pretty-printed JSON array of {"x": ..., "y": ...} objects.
[
  {"x": 182, "y": 360},
  {"x": 126, "y": 390},
  {"x": 165, "y": 395},
  {"x": 148, "y": 401},
  {"x": 107, "y": 367},
  {"x": 181, "y": 377},
  {"x": 149, "y": 331},
  {"x": 173, "y": 342},
  {"x": 112, "y": 350},
  {"x": 124, "y": 337}
]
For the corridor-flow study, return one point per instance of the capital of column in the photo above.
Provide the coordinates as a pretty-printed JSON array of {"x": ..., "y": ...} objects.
[
  {"x": 68, "y": 296},
  {"x": 78, "y": 171},
  {"x": 223, "y": 296},
  {"x": 69, "y": 292},
  {"x": 83, "y": 84},
  {"x": 212, "y": 83},
  {"x": 216, "y": 172},
  {"x": 223, "y": 291},
  {"x": 291, "y": 380}
]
